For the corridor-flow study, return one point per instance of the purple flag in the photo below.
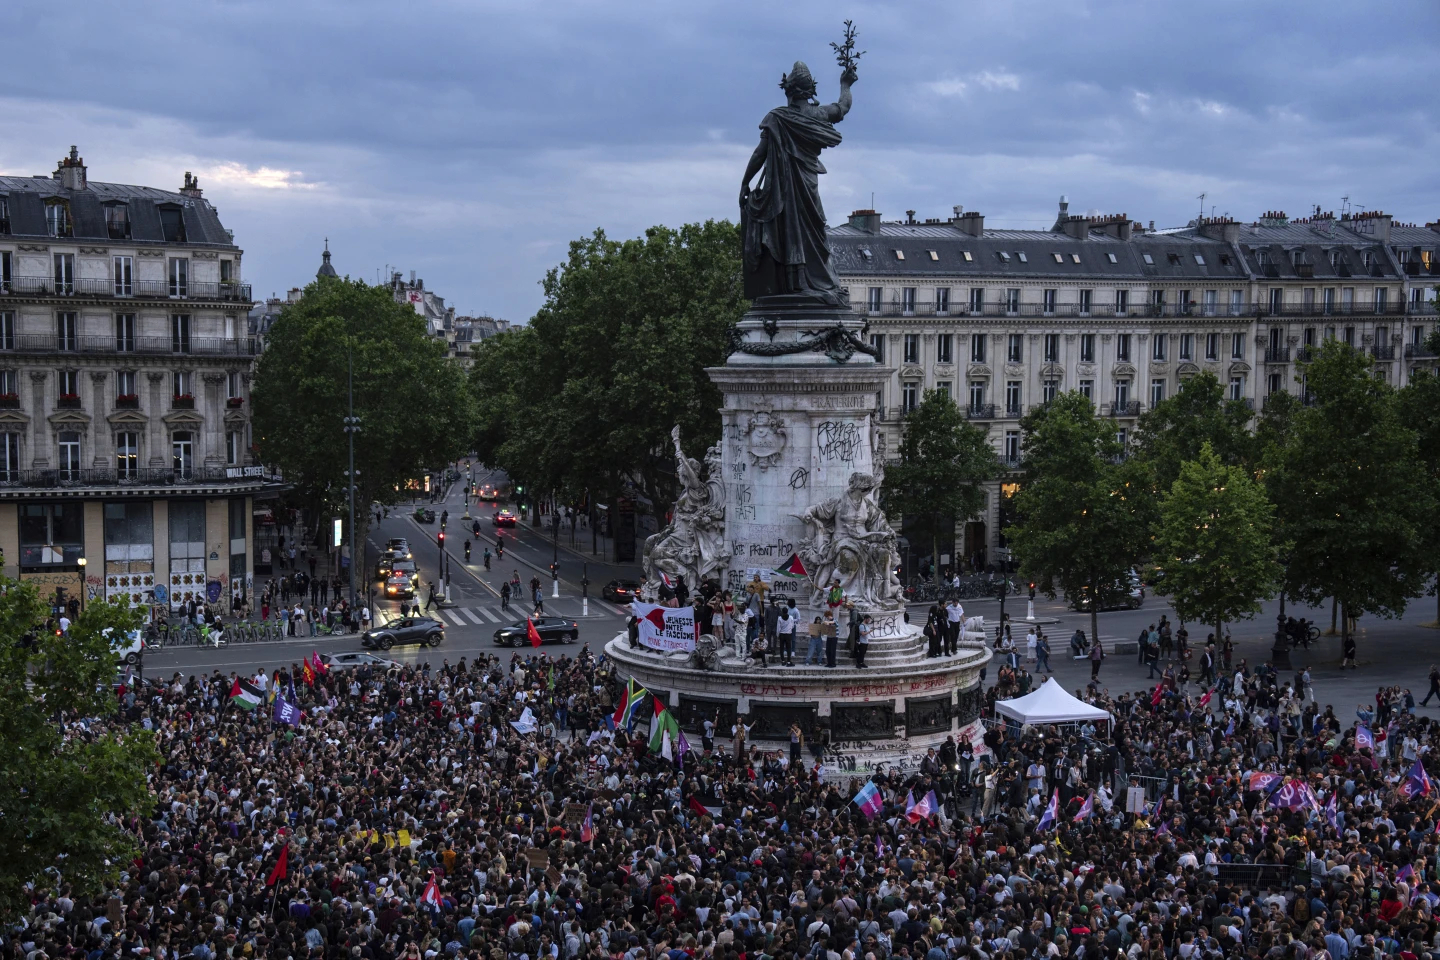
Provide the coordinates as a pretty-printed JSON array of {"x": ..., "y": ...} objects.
[
  {"x": 868, "y": 799},
  {"x": 1052, "y": 813},
  {"x": 286, "y": 712},
  {"x": 1416, "y": 782},
  {"x": 1364, "y": 739}
]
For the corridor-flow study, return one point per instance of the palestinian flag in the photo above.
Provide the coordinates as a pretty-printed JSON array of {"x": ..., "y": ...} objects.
[
  {"x": 245, "y": 695},
  {"x": 665, "y": 736},
  {"x": 792, "y": 567}
]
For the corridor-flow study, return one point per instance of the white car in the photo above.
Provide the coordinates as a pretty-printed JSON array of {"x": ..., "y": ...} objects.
[
  {"x": 130, "y": 648},
  {"x": 350, "y": 661}
]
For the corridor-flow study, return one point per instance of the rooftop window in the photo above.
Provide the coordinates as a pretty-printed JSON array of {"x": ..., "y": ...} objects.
[
  {"x": 967, "y": 256},
  {"x": 1004, "y": 256},
  {"x": 1074, "y": 258},
  {"x": 933, "y": 255},
  {"x": 1113, "y": 258},
  {"x": 1149, "y": 259},
  {"x": 1199, "y": 260},
  {"x": 1059, "y": 258},
  {"x": 899, "y": 254}
]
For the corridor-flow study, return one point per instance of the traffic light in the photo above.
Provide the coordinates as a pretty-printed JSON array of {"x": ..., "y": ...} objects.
[
  {"x": 1032, "y": 589},
  {"x": 441, "y": 535}
]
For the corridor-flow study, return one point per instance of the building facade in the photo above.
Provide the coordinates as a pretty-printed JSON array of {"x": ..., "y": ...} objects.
[
  {"x": 1003, "y": 320},
  {"x": 125, "y": 359}
]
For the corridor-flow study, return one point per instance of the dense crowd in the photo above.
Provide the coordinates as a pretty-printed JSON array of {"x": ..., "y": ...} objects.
[{"x": 488, "y": 810}]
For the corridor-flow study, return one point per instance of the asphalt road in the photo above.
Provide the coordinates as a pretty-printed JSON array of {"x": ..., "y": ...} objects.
[{"x": 1391, "y": 652}]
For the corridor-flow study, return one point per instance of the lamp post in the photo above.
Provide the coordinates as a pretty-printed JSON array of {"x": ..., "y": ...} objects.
[
  {"x": 555, "y": 542},
  {"x": 469, "y": 486},
  {"x": 81, "y": 562},
  {"x": 352, "y": 427}
]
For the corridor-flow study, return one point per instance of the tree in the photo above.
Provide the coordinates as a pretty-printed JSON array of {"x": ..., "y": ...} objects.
[
  {"x": 1174, "y": 430},
  {"x": 414, "y": 408},
  {"x": 1351, "y": 492},
  {"x": 63, "y": 790},
  {"x": 1082, "y": 508},
  {"x": 944, "y": 463},
  {"x": 1420, "y": 410},
  {"x": 1213, "y": 547},
  {"x": 584, "y": 398}
]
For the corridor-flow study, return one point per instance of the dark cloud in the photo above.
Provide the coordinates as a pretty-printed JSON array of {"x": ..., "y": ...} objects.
[{"x": 472, "y": 141}]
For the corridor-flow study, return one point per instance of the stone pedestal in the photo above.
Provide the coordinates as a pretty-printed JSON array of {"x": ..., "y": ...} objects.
[{"x": 797, "y": 473}]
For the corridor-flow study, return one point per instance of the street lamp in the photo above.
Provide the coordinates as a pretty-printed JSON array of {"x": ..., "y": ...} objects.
[
  {"x": 81, "y": 562},
  {"x": 555, "y": 541},
  {"x": 352, "y": 427},
  {"x": 469, "y": 486}
]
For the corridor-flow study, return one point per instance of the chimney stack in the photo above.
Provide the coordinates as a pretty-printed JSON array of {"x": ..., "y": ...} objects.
[
  {"x": 1076, "y": 226},
  {"x": 71, "y": 171},
  {"x": 192, "y": 186},
  {"x": 971, "y": 222},
  {"x": 866, "y": 220},
  {"x": 909, "y": 216},
  {"x": 1224, "y": 229},
  {"x": 1372, "y": 224},
  {"x": 1117, "y": 225}
]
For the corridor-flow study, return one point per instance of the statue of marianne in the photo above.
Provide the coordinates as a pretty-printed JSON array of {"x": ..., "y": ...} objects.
[{"x": 786, "y": 252}]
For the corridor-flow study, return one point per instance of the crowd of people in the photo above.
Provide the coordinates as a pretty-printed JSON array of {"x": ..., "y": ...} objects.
[{"x": 493, "y": 809}]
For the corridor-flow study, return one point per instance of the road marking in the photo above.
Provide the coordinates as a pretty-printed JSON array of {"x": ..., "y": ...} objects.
[
  {"x": 611, "y": 608},
  {"x": 456, "y": 617},
  {"x": 468, "y": 613},
  {"x": 488, "y": 615}
]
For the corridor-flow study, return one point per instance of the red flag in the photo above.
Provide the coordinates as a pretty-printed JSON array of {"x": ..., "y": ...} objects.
[
  {"x": 699, "y": 808},
  {"x": 1205, "y": 700},
  {"x": 280, "y": 866},
  {"x": 532, "y": 633},
  {"x": 307, "y": 672},
  {"x": 320, "y": 666},
  {"x": 1155, "y": 700},
  {"x": 431, "y": 895}
]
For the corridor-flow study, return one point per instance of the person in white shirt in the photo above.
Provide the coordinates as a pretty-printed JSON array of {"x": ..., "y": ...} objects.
[{"x": 954, "y": 616}]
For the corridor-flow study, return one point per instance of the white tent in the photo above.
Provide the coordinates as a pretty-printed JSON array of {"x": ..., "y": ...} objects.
[{"x": 1049, "y": 704}]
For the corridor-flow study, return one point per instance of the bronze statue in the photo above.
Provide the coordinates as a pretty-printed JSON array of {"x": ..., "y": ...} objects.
[{"x": 786, "y": 250}]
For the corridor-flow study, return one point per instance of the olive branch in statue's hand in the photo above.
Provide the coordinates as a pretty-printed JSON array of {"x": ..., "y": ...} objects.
[{"x": 846, "y": 55}]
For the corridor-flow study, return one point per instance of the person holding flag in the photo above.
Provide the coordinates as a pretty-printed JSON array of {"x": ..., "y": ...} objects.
[
  {"x": 1051, "y": 816},
  {"x": 869, "y": 800}
]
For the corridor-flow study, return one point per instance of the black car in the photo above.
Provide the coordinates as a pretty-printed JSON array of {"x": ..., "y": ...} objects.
[
  {"x": 551, "y": 630},
  {"x": 503, "y": 518},
  {"x": 422, "y": 630},
  {"x": 620, "y": 591}
]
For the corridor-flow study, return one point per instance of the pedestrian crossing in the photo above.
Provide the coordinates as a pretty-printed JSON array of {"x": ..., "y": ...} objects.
[{"x": 470, "y": 614}]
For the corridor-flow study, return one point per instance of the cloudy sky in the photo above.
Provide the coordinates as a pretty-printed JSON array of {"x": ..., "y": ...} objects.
[{"x": 470, "y": 141}]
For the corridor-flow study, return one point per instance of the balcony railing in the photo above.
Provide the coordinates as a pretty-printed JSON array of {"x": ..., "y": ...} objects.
[
  {"x": 1382, "y": 352},
  {"x": 980, "y": 411},
  {"x": 1125, "y": 408},
  {"x": 9, "y": 401},
  {"x": 1247, "y": 308},
  {"x": 1418, "y": 351},
  {"x": 68, "y": 401},
  {"x": 182, "y": 403},
  {"x": 199, "y": 346},
  {"x": 143, "y": 476},
  {"x": 140, "y": 289},
  {"x": 127, "y": 401},
  {"x": 1277, "y": 354}
]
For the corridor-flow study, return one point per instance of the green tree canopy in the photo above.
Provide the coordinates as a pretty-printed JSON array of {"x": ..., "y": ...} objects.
[
  {"x": 414, "y": 408},
  {"x": 1420, "y": 410},
  {"x": 586, "y": 396},
  {"x": 1351, "y": 491},
  {"x": 1213, "y": 547},
  {"x": 944, "y": 463},
  {"x": 60, "y": 785},
  {"x": 1082, "y": 507},
  {"x": 1177, "y": 428}
]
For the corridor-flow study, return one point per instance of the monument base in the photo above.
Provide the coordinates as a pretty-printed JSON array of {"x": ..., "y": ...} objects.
[{"x": 857, "y": 721}]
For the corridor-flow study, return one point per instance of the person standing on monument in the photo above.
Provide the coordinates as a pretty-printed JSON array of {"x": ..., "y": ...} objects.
[{"x": 785, "y": 625}]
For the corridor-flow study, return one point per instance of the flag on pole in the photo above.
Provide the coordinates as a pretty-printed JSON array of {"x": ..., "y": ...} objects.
[
  {"x": 1264, "y": 781},
  {"x": 321, "y": 667},
  {"x": 1331, "y": 812},
  {"x": 431, "y": 896},
  {"x": 1290, "y": 796},
  {"x": 531, "y": 633},
  {"x": 587, "y": 826},
  {"x": 666, "y": 579},
  {"x": 703, "y": 809},
  {"x": 245, "y": 694},
  {"x": 1051, "y": 816},
  {"x": 281, "y": 866},
  {"x": 1405, "y": 873},
  {"x": 792, "y": 567},
  {"x": 1230, "y": 729},
  {"x": 1163, "y": 829},
  {"x": 274, "y": 690},
  {"x": 1416, "y": 782},
  {"x": 286, "y": 712},
  {"x": 307, "y": 673},
  {"x": 630, "y": 699},
  {"x": 1364, "y": 739},
  {"x": 1155, "y": 699},
  {"x": 869, "y": 800},
  {"x": 1086, "y": 809},
  {"x": 924, "y": 808},
  {"x": 910, "y": 805},
  {"x": 665, "y": 733},
  {"x": 1205, "y": 700}
]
